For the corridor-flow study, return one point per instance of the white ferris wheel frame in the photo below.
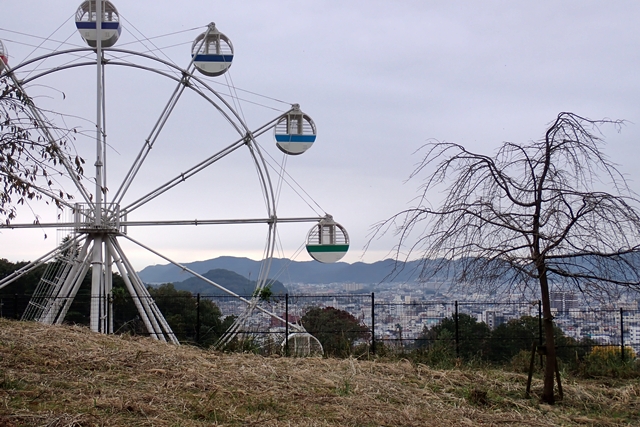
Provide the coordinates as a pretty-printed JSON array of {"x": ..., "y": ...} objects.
[{"x": 99, "y": 224}]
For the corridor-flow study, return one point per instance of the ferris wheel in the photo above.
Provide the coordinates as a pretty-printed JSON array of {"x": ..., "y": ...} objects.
[{"x": 107, "y": 213}]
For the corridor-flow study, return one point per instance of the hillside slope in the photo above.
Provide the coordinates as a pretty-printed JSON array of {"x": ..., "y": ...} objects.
[{"x": 68, "y": 376}]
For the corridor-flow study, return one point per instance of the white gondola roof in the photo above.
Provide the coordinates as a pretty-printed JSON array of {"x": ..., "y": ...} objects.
[
  {"x": 86, "y": 12},
  {"x": 86, "y": 18},
  {"x": 295, "y": 132},
  {"x": 212, "y": 52},
  {"x": 327, "y": 241}
]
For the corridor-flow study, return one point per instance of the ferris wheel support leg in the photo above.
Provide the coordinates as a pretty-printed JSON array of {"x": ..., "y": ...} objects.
[
  {"x": 137, "y": 300},
  {"x": 163, "y": 322},
  {"x": 145, "y": 297},
  {"x": 97, "y": 284},
  {"x": 159, "y": 323},
  {"x": 68, "y": 299},
  {"x": 51, "y": 315},
  {"x": 32, "y": 265},
  {"x": 108, "y": 291}
]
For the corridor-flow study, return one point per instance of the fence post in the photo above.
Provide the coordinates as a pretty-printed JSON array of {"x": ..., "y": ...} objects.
[
  {"x": 109, "y": 313},
  {"x": 540, "y": 330},
  {"x": 198, "y": 318},
  {"x": 622, "y": 333},
  {"x": 457, "y": 332},
  {"x": 286, "y": 325},
  {"x": 15, "y": 306},
  {"x": 373, "y": 323}
]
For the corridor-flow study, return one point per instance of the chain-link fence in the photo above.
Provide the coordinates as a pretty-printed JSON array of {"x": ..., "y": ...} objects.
[{"x": 491, "y": 330}]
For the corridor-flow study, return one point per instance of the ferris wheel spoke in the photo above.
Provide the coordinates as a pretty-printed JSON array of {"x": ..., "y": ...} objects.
[
  {"x": 187, "y": 269},
  {"x": 149, "y": 143},
  {"x": 80, "y": 225},
  {"x": 197, "y": 85},
  {"x": 234, "y": 221},
  {"x": 159, "y": 125},
  {"x": 183, "y": 176}
]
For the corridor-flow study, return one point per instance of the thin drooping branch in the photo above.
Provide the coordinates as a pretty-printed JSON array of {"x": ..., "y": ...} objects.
[
  {"x": 29, "y": 161},
  {"x": 531, "y": 216}
]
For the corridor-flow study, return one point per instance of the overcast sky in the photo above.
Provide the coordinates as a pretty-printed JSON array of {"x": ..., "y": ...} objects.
[{"x": 379, "y": 78}]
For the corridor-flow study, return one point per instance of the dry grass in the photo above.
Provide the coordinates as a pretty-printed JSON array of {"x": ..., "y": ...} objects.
[{"x": 68, "y": 376}]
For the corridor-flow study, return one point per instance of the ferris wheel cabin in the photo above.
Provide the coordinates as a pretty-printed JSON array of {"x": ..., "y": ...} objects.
[
  {"x": 212, "y": 52},
  {"x": 4, "y": 56},
  {"x": 327, "y": 241},
  {"x": 295, "y": 133},
  {"x": 86, "y": 18}
]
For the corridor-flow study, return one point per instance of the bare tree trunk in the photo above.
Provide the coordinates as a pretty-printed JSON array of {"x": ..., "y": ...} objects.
[
  {"x": 519, "y": 218},
  {"x": 550, "y": 368}
]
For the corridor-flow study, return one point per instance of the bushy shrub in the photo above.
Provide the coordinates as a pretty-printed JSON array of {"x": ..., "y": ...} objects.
[
  {"x": 440, "y": 354},
  {"x": 522, "y": 361},
  {"x": 607, "y": 362}
]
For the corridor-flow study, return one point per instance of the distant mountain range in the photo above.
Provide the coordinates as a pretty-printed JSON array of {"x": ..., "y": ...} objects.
[
  {"x": 229, "y": 279},
  {"x": 286, "y": 271}
]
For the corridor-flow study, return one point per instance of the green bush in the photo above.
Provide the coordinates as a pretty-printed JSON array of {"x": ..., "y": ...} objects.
[
  {"x": 607, "y": 362},
  {"x": 441, "y": 354}
]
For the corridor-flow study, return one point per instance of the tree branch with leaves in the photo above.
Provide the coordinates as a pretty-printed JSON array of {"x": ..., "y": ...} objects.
[{"x": 29, "y": 156}]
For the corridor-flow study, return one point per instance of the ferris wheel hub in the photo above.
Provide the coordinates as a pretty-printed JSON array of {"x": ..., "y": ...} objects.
[{"x": 111, "y": 219}]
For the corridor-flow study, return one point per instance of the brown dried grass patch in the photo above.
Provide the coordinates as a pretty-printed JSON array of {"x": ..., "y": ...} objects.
[{"x": 68, "y": 376}]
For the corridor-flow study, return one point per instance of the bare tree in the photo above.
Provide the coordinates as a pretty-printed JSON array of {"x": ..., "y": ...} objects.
[
  {"x": 532, "y": 215},
  {"x": 31, "y": 148}
]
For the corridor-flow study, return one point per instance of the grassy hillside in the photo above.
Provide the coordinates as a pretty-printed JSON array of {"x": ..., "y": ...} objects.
[{"x": 68, "y": 376}]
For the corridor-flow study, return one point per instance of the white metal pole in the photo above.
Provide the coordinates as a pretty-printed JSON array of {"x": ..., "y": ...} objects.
[
  {"x": 96, "y": 281},
  {"x": 132, "y": 291},
  {"x": 97, "y": 259},
  {"x": 108, "y": 291},
  {"x": 99, "y": 96}
]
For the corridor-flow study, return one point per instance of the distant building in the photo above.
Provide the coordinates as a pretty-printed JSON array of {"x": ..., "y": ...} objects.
[
  {"x": 492, "y": 318},
  {"x": 353, "y": 287},
  {"x": 563, "y": 301},
  {"x": 633, "y": 337}
]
